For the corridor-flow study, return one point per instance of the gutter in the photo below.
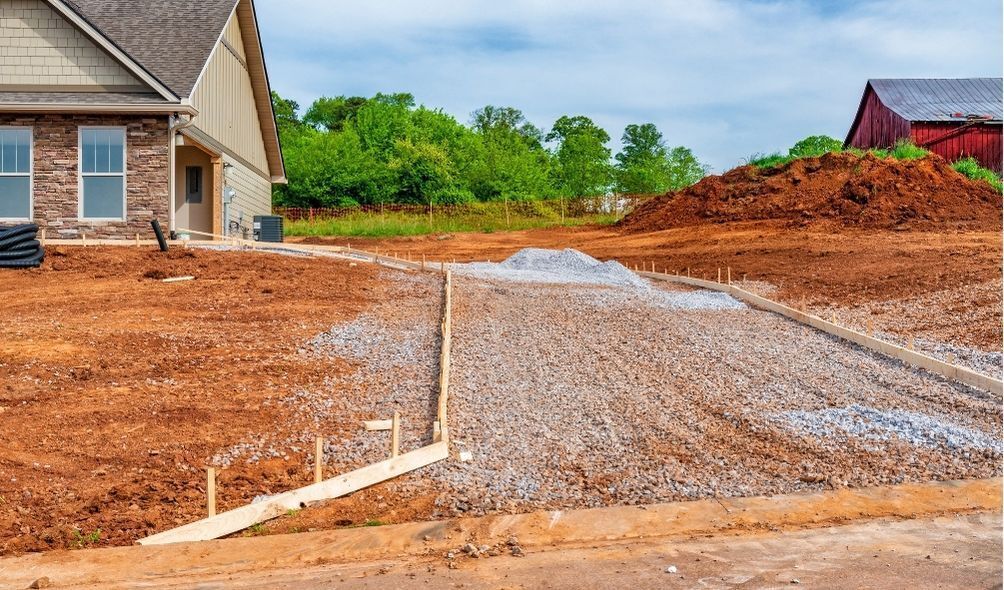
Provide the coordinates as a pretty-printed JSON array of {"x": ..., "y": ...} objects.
[{"x": 126, "y": 109}]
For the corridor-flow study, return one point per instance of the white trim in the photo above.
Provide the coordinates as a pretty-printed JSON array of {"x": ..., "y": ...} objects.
[
  {"x": 81, "y": 173},
  {"x": 77, "y": 21},
  {"x": 31, "y": 174}
]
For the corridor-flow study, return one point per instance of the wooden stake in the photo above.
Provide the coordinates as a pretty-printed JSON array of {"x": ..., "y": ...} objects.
[
  {"x": 688, "y": 272},
  {"x": 83, "y": 240},
  {"x": 41, "y": 239},
  {"x": 395, "y": 434},
  {"x": 423, "y": 261},
  {"x": 870, "y": 328},
  {"x": 137, "y": 240},
  {"x": 833, "y": 317},
  {"x": 211, "y": 491},
  {"x": 442, "y": 266},
  {"x": 950, "y": 358},
  {"x": 803, "y": 303},
  {"x": 318, "y": 458},
  {"x": 729, "y": 270},
  {"x": 909, "y": 345}
]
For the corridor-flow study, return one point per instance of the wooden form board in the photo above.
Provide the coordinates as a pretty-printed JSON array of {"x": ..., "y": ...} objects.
[
  {"x": 241, "y": 518},
  {"x": 442, "y": 433},
  {"x": 955, "y": 372},
  {"x": 372, "y": 425}
]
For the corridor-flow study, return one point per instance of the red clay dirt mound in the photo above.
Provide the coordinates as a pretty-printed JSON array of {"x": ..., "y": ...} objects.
[{"x": 849, "y": 190}]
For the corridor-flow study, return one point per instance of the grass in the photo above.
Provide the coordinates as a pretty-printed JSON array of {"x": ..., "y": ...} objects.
[
  {"x": 970, "y": 168},
  {"x": 81, "y": 540},
  {"x": 481, "y": 217},
  {"x": 903, "y": 150}
]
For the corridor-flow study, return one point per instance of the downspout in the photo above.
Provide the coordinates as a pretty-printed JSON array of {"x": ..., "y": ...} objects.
[{"x": 174, "y": 125}]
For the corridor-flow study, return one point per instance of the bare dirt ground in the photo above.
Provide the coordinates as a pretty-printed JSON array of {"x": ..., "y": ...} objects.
[
  {"x": 117, "y": 390},
  {"x": 885, "y": 275}
]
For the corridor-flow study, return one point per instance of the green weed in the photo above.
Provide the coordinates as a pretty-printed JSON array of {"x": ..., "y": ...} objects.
[
  {"x": 80, "y": 540},
  {"x": 970, "y": 168}
]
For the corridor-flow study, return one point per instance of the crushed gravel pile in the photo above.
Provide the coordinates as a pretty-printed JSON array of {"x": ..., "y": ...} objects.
[
  {"x": 567, "y": 396},
  {"x": 571, "y": 267},
  {"x": 568, "y": 266}
]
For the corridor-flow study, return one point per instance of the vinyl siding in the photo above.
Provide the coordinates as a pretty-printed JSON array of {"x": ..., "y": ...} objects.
[
  {"x": 254, "y": 194},
  {"x": 225, "y": 100},
  {"x": 39, "y": 48}
]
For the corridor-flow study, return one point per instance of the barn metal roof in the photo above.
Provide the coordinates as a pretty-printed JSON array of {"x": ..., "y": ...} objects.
[{"x": 943, "y": 99}]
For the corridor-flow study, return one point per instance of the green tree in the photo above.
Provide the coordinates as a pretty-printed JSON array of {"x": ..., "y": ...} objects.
[
  {"x": 684, "y": 168},
  {"x": 581, "y": 165},
  {"x": 425, "y": 174},
  {"x": 335, "y": 113},
  {"x": 815, "y": 145},
  {"x": 645, "y": 165},
  {"x": 382, "y": 121},
  {"x": 642, "y": 166},
  {"x": 510, "y": 162},
  {"x": 286, "y": 118},
  {"x": 328, "y": 169}
]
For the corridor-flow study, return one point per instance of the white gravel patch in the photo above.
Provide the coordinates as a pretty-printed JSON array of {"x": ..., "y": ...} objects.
[{"x": 883, "y": 425}]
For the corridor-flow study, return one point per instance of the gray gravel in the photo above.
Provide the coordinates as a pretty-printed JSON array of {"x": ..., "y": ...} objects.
[
  {"x": 862, "y": 422},
  {"x": 574, "y": 396}
]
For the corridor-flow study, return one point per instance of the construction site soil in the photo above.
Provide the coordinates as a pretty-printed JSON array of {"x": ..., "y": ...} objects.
[
  {"x": 845, "y": 189},
  {"x": 886, "y": 276},
  {"x": 117, "y": 389}
]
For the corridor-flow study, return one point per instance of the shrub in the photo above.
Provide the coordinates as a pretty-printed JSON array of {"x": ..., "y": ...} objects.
[
  {"x": 769, "y": 160},
  {"x": 907, "y": 150},
  {"x": 815, "y": 145},
  {"x": 970, "y": 168}
]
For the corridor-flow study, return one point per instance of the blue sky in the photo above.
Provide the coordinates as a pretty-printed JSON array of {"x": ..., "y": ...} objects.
[{"x": 725, "y": 78}]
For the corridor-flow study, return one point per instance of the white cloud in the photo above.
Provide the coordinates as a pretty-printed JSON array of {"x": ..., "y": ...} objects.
[{"x": 725, "y": 78}]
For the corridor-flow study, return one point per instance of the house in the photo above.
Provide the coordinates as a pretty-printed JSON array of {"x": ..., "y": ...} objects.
[
  {"x": 953, "y": 118},
  {"x": 117, "y": 112}
]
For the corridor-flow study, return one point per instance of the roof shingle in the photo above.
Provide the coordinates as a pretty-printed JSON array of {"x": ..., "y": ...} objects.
[{"x": 171, "y": 40}]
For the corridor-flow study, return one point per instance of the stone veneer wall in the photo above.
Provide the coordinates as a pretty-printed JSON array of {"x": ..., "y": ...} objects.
[{"x": 56, "y": 161}]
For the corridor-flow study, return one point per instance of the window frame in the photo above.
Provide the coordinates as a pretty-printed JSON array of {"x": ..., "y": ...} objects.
[
  {"x": 30, "y": 174},
  {"x": 81, "y": 174}
]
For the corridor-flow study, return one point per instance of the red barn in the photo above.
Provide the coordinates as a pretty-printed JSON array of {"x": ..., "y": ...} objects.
[{"x": 953, "y": 118}]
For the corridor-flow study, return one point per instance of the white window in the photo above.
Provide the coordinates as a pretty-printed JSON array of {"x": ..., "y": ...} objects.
[
  {"x": 15, "y": 173},
  {"x": 102, "y": 173}
]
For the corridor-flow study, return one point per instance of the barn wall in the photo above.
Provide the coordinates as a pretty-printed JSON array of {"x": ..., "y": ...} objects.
[
  {"x": 982, "y": 142},
  {"x": 879, "y": 126}
]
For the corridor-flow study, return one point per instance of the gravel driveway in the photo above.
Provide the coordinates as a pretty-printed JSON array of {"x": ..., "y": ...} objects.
[{"x": 587, "y": 395}]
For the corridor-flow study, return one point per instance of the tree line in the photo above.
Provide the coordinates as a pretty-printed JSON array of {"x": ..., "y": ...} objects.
[{"x": 347, "y": 151}]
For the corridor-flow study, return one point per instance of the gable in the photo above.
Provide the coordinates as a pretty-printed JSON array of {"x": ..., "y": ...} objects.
[
  {"x": 225, "y": 99},
  {"x": 39, "y": 49}
]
